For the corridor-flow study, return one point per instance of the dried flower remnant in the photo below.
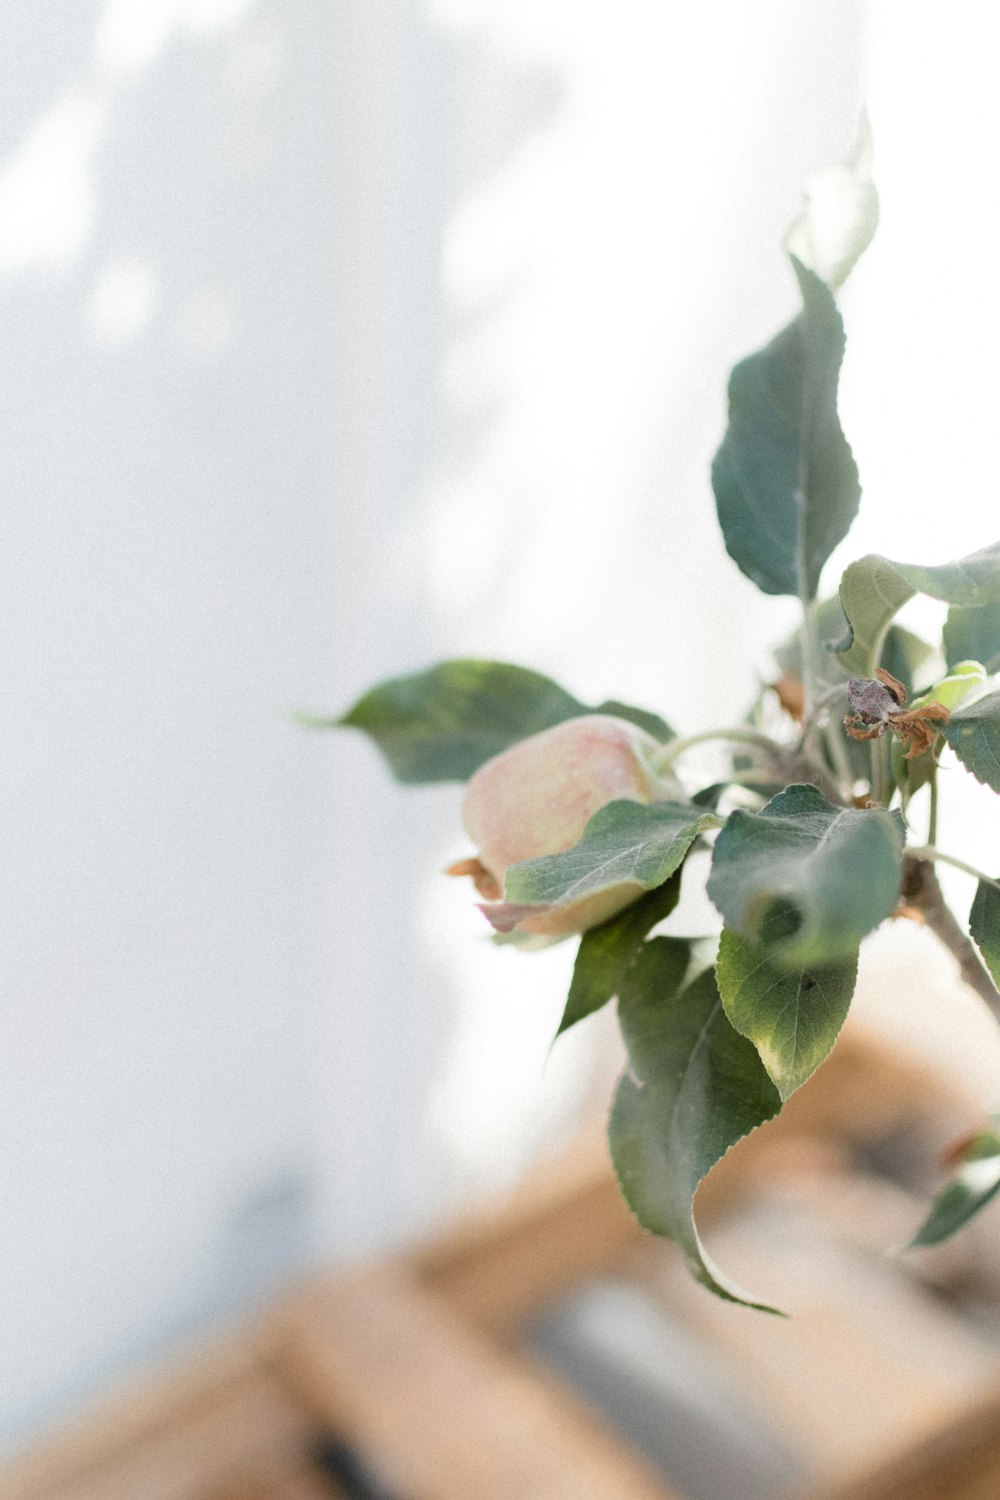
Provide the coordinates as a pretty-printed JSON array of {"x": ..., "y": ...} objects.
[
  {"x": 878, "y": 706},
  {"x": 791, "y": 695}
]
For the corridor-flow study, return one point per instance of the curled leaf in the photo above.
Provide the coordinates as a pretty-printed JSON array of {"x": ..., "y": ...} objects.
[{"x": 694, "y": 1088}]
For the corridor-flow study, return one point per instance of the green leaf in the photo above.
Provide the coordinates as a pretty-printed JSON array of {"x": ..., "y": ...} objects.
[
  {"x": 871, "y": 592},
  {"x": 974, "y": 634},
  {"x": 626, "y": 844},
  {"x": 606, "y": 952},
  {"x": 444, "y": 723},
  {"x": 836, "y": 872},
  {"x": 974, "y": 735},
  {"x": 694, "y": 1088},
  {"x": 650, "y": 722},
  {"x": 984, "y": 924},
  {"x": 953, "y": 689},
  {"x": 786, "y": 484},
  {"x": 969, "y": 581},
  {"x": 874, "y": 588},
  {"x": 972, "y": 1187},
  {"x": 792, "y": 1016}
]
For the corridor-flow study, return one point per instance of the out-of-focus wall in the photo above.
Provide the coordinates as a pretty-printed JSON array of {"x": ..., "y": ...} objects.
[
  {"x": 335, "y": 338},
  {"x": 169, "y": 594}
]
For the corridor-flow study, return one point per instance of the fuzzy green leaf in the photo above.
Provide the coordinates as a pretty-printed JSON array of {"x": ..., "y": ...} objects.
[
  {"x": 694, "y": 1087},
  {"x": 834, "y": 871},
  {"x": 786, "y": 484},
  {"x": 974, "y": 735},
  {"x": 974, "y": 1184},
  {"x": 444, "y": 723},
  {"x": 871, "y": 592},
  {"x": 626, "y": 844},
  {"x": 792, "y": 1016},
  {"x": 874, "y": 588},
  {"x": 606, "y": 952},
  {"x": 969, "y": 581},
  {"x": 973, "y": 633},
  {"x": 984, "y": 924}
]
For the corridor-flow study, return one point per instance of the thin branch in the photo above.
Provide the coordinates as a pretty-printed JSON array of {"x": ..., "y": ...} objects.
[
  {"x": 882, "y": 770},
  {"x": 932, "y": 821},
  {"x": 922, "y": 890},
  {"x": 930, "y": 855},
  {"x": 739, "y": 735},
  {"x": 839, "y": 690}
]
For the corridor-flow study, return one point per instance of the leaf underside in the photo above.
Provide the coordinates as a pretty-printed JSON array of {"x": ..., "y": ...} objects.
[
  {"x": 874, "y": 588},
  {"x": 694, "y": 1088},
  {"x": 973, "y": 635}
]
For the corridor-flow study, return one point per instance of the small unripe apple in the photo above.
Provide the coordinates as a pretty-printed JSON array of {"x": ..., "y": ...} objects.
[{"x": 537, "y": 797}]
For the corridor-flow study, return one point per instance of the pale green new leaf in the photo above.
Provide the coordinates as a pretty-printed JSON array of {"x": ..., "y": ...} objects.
[
  {"x": 792, "y": 1016},
  {"x": 984, "y": 924},
  {"x": 785, "y": 481},
  {"x": 606, "y": 952},
  {"x": 974, "y": 1184},
  {"x": 444, "y": 723},
  {"x": 974, "y": 735},
  {"x": 694, "y": 1087},
  {"x": 834, "y": 871},
  {"x": 964, "y": 678},
  {"x": 874, "y": 588}
]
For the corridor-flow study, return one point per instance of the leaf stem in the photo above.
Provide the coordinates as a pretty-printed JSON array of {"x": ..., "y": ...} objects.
[
  {"x": 923, "y": 891},
  {"x": 831, "y": 694},
  {"x": 930, "y": 855},
  {"x": 739, "y": 735},
  {"x": 808, "y": 637},
  {"x": 880, "y": 771},
  {"x": 838, "y": 754},
  {"x": 932, "y": 820}
]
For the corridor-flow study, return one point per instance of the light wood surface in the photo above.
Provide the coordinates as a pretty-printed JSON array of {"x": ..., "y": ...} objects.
[
  {"x": 219, "y": 1417},
  {"x": 448, "y": 1416},
  {"x": 876, "y": 1382},
  {"x": 303, "y": 1484},
  {"x": 959, "y": 1462}
]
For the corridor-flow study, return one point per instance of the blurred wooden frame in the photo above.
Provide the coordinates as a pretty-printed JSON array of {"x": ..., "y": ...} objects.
[{"x": 414, "y": 1361}]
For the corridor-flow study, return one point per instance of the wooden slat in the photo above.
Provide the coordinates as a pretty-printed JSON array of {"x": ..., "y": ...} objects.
[
  {"x": 866, "y": 1365},
  {"x": 302, "y": 1484},
  {"x": 959, "y": 1462},
  {"x": 568, "y": 1223},
  {"x": 176, "y": 1436},
  {"x": 442, "y": 1413}
]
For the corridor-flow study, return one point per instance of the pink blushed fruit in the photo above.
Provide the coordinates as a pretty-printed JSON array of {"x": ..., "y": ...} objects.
[{"x": 537, "y": 797}]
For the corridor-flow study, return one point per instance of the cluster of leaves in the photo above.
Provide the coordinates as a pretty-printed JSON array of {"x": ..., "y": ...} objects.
[{"x": 809, "y": 832}]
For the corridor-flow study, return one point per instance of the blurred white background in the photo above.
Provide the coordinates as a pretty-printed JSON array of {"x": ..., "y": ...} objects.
[{"x": 338, "y": 339}]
